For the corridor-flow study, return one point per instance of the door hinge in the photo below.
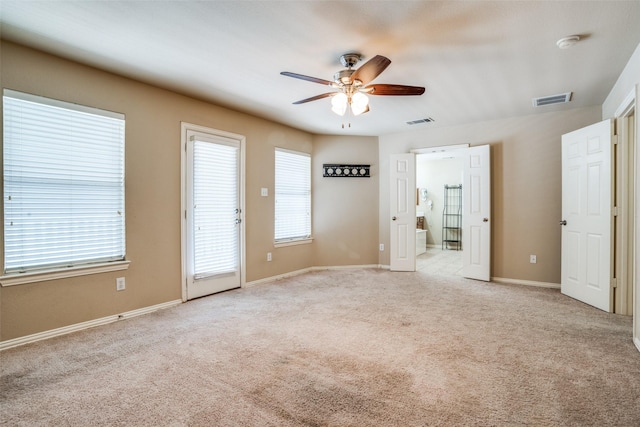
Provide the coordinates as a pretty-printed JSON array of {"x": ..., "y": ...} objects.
[
  {"x": 614, "y": 139},
  {"x": 185, "y": 214},
  {"x": 614, "y": 282},
  {"x": 614, "y": 211}
]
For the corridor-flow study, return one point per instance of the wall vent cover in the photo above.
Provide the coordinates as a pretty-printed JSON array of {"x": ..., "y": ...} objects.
[
  {"x": 425, "y": 120},
  {"x": 553, "y": 99}
]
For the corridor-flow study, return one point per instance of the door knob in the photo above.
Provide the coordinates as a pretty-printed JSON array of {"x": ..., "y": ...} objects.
[
  {"x": 563, "y": 222},
  {"x": 393, "y": 218},
  {"x": 485, "y": 219}
]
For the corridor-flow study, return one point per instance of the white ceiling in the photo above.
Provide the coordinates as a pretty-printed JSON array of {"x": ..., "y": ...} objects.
[{"x": 479, "y": 60}]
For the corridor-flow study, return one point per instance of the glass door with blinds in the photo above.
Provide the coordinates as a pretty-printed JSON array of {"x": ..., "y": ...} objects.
[{"x": 213, "y": 213}]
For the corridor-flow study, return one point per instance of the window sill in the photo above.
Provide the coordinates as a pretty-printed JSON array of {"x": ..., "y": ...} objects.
[
  {"x": 43, "y": 276},
  {"x": 293, "y": 243}
]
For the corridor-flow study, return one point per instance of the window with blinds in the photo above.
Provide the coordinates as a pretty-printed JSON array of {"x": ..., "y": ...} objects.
[
  {"x": 63, "y": 184},
  {"x": 215, "y": 207},
  {"x": 292, "y": 196}
]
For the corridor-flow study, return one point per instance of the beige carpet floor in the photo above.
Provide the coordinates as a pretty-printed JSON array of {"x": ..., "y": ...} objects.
[{"x": 338, "y": 348}]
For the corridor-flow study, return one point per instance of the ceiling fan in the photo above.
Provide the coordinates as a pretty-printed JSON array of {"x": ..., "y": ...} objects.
[{"x": 352, "y": 86}]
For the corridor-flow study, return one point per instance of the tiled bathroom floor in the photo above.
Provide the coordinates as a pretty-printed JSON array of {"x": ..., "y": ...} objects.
[{"x": 441, "y": 262}]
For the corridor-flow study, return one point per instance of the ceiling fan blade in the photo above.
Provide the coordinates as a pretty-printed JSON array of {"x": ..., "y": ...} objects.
[
  {"x": 315, "y": 98},
  {"x": 396, "y": 90},
  {"x": 307, "y": 78},
  {"x": 371, "y": 69}
]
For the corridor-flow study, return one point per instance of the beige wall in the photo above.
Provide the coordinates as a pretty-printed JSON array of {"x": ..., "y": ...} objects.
[
  {"x": 345, "y": 210},
  {"x": 525, "y": 188},
  {"x": 153, "y": 197}
]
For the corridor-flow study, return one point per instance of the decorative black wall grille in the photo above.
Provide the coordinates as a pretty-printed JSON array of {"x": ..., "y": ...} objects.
[{"x": 345, "y": 171}]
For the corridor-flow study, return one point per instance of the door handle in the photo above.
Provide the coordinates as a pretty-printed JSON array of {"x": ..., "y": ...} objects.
[
  {"x": 393, "y": 218},
  {"x": 563, "y": 222},
  {"x": 485, "y": 219}
]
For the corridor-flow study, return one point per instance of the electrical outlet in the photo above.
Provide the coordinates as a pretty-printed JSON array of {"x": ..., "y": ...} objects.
[
  {"x": 381, "y": 247},
  {"x": 120, "y": 285},
  {"x": 264, "y": 192},
  {"x": 533, "y": 259},
  {"x": 269, "y": 256}
]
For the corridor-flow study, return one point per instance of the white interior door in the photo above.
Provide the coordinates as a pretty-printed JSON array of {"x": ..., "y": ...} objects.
[
  {"x": 476, "y": 213},
  {"x": 402, "y": 194},
  {"x": 213, "y": 213},
  {"x": 586, "y": 215}
]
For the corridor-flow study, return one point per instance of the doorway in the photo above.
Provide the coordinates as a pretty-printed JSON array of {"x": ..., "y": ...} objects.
[
  {"x": 476, "y": 210},
  {"x": 212, "y": 202},
  {"x": 434, "y": 171}
]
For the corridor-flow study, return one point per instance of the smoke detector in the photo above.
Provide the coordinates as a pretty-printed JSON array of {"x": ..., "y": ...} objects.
[{"x": 567, "y": 42}]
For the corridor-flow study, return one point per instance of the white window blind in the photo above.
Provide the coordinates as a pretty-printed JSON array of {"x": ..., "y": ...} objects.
[
  {"x": 215, "y": 208},
  {"x": 63, "y": 184},
  {"x": 292, "y": 196}
]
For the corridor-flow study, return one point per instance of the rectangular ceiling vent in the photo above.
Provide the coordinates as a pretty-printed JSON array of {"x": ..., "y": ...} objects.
[
  {"x": 553, "y": 99},
  {"x": 425, "y": 120}
]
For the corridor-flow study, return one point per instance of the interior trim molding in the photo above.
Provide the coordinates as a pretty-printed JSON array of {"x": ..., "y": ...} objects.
[
  {"x": 277, "y": 277},
  {"x": 525, "y": 282},
  {"x": 307, "y": 270},
  {"x": 344, "y": 267},
  {"x": 636, "y": 341},
  {"x": 85, "y": 325},
  {"x": 62, "y": 273}
]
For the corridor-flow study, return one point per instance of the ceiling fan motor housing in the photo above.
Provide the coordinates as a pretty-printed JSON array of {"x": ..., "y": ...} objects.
[
  {"x": 349, "y": 60},
  {"x": 343, "y": 77}
]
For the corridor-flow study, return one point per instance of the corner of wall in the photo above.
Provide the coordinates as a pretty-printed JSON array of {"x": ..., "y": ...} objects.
[{"x": 626, "y": 82}]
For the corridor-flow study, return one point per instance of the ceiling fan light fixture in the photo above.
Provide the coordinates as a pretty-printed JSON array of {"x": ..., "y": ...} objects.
[
  {"x": 359, "y": 103},
  {"x": 352, "y": 85},
  {"x": 339, "y": 103}
]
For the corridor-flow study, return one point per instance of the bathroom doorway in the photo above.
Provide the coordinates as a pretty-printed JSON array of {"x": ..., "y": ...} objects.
[{"x": 436, "y": 251}]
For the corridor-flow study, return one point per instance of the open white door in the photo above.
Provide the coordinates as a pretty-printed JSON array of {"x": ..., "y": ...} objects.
[
  {"x": 402, "y": 194},
  {"x": 476, "y": 210},
  {"x": 586, "y": 215}
]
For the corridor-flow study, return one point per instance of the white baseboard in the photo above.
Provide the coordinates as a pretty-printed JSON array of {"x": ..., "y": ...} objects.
[
  {"x": 307, "y": 270},
  {"x": 278, "y": 277},
  {"x": 344, "y": 267},
  {"x": 636, "y": 341},
  {"x": 526, "y": 282},
  {"x": 85, "y": 325},
  {"x": 114, "y": 318}
]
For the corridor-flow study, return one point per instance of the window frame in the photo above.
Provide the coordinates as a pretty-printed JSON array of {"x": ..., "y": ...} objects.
[
  {"x": 293, "y": 240},
  {"x": 15, "y": 276}
]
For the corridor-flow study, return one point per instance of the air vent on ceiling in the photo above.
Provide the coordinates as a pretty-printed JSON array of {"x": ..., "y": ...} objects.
[
  {"x": 553, "y": 99},
  {"x": 425, "y": 120}
]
